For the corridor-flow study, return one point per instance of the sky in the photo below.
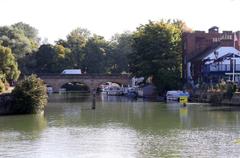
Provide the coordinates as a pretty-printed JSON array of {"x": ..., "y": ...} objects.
[{"x": 54, "y": 19}]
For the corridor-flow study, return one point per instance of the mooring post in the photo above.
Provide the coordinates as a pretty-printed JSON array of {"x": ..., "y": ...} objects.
[{"x": 93, "y": 99}]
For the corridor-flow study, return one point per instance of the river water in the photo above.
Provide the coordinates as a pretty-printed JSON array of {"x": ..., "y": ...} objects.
[{"x": 120, "y": 127}]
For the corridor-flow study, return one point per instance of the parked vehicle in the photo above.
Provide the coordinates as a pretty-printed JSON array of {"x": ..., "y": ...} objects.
[
  {"x": 71, "y": 72},
  {"x": 175, "y": 95}
]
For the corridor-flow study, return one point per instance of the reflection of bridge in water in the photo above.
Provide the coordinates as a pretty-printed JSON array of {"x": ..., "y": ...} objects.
[{"x": 92, "y": 81}]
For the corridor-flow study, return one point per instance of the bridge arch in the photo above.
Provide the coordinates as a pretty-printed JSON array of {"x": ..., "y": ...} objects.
[{"x": 92, "y": 81}]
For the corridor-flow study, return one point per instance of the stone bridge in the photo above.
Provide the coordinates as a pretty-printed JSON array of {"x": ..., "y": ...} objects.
[{"x": 93, "y": 81}]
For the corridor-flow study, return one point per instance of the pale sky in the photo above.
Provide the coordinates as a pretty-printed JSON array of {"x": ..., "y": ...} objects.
[{"x": 56, "y": 18}]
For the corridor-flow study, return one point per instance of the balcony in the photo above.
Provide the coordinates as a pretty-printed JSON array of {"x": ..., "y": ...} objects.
[{"x": 220, "y": 68}]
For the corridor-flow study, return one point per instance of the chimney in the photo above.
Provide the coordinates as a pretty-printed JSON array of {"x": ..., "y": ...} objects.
[{"x": 213, "y": 29}]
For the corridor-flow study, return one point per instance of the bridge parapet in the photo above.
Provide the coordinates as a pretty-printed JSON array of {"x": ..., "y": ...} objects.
[
  {"x": 100, "y": 76},
  {"x": 91, "y": 80}
]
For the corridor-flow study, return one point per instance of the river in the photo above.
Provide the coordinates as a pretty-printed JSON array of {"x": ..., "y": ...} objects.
[{"x": 121, "y": 128}]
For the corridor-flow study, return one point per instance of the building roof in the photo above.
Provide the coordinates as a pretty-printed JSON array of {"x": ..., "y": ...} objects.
[{"x": 220, "y": 54}]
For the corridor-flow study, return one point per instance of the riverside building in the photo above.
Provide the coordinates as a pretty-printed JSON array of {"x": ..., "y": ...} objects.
[{"x": 211, "y": 56}]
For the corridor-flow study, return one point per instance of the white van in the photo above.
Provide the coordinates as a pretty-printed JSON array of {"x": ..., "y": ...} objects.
[{"x": 71, "y": 72}]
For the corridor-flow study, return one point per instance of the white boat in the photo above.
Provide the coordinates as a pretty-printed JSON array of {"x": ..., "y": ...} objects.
[
  {"x": 49, "y": 90},
  {"x": 114, "y": 90},
  {"x": 175, "y": 95}
]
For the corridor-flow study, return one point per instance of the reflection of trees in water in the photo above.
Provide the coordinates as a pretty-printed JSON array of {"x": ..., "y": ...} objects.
[
  {"x": 34, "y": 124},
  {"x": 158, "y": 117},
  {"x": 134, "y": 114},
  {"x": 197, "y": 116},
  {"x": 76, "y": 86},
  {"x": 69, "y": 97}
]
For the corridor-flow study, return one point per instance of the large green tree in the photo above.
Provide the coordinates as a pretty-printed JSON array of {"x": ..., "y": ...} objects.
[
  {"x": 22, "y": 39},
  {"x": 157, "y": 53},
  {"x": 52, "y": 59},
  {"x": 96, "y": 55},
  {"x": 121, "y": 47},
  {"x": 76, "y": 42},
  {"x": 8, "y": 65}
]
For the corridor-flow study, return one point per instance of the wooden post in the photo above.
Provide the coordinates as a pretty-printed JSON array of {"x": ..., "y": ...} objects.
[{"x": 93, "y": 99}]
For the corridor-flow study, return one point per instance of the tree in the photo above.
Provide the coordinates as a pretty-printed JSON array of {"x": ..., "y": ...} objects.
[
  {"x": 28, "y": 31},
  {"x": 157, "y": 53},
  {"x": 76, "y": 41},
  {"x": 20, "y": 37},
  {"x": 96, "y": 52},
  {"x": 52, "y": 59},
  {"x": 46, "y": 59},
  {"x": 121, "y": 48},
  {"x": 63, "y": 58},
  {"x": 8, "y": 65}
]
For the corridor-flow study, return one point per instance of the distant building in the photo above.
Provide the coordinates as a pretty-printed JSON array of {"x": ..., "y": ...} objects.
[{"x": 209, "y": 56}]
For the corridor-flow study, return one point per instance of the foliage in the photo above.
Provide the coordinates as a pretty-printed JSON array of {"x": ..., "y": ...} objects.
[
  {"x": 157, "y": 52},
  {"x": 20, "y": 37},
  {"x": 96, "y": 57},
  {"x": 8, "y": 65},
  {"x": 30, "y": 96},
  {"x": 52, "y": 59},
  {"x": 121, "y": 48},
  {"x": 2, "y": 86},
  {"x": 216, "y": 98},
  {"x": 230, "y": 90},
  {"x": 76, "y": 41}
]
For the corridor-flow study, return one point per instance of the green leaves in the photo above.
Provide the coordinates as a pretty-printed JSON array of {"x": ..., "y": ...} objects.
[
  {"x": 157, "y": 51},
  {"x": 30, "y": 96},
  {"x": 8, "y": 64}
]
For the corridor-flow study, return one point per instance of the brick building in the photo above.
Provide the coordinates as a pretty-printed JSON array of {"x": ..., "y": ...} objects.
[{"x": 198, "y": 44}]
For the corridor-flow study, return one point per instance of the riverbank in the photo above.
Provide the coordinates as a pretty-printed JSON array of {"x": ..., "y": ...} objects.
[
  {"x": 6, "y": 100},
  {"x": 216, "y": 98}
]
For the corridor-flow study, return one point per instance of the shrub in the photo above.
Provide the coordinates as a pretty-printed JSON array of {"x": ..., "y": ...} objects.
[
  {"x": 30, "y": 96},
  {"x": 2, "y": 86},
  {"x": 230, "y": 91},
  {"x": 216, "y": 98}
]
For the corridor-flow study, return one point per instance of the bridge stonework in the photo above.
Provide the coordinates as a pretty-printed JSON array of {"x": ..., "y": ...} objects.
[{"x": 92, "y": 81}]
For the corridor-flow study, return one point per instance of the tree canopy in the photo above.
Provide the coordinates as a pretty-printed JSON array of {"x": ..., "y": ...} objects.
[
  {"x": 121, "y": 48},
  {"x": 20, "y": 37},
  {"x": 157, "y": 53},
  {"x": 8, "y": 65},
  {"x": 153, "y": 50}
]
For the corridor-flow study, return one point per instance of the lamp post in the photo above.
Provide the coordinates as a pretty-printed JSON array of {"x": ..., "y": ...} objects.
[{"x": 233, "y": 62}]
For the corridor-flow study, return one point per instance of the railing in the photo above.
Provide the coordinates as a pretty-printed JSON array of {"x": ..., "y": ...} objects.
[
  {"x": 221, "y": 68},
  {"x": 88, "y": 74},
  {"x": 83, "y": 76}
]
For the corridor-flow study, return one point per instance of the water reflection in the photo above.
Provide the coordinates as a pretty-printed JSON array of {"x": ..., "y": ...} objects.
[
  {"x": 23, "y": 123},
  {"x": 121, "y": 127}
]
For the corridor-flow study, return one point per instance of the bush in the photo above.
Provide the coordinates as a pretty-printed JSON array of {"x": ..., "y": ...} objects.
[
  {"x": 216, "y": 98},
  {"x": 230, "y": 91},
  {"x": 2, "y": 86},
  {"x": 30, "y": 96}
]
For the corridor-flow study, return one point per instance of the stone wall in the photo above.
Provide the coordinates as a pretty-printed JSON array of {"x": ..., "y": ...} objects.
[
  {"x": 216, "y": 98},
  {"x": 5, "y": 103}
]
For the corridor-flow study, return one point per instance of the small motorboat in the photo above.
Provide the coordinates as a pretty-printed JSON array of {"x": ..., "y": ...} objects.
[{"x": 175, "y": 95}]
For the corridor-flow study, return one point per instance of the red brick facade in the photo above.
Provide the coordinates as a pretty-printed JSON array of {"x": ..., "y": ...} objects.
[{"x": 199, "y": 42}]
